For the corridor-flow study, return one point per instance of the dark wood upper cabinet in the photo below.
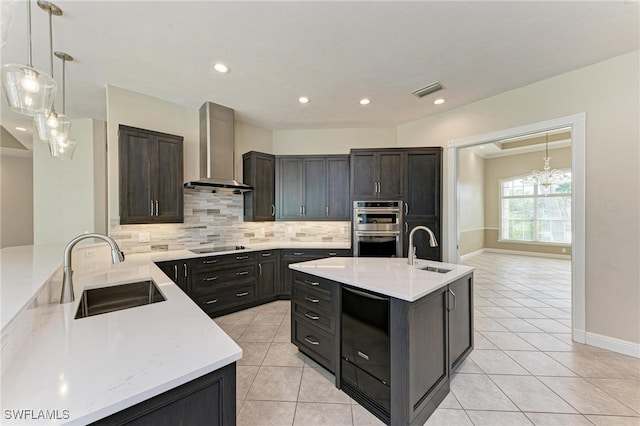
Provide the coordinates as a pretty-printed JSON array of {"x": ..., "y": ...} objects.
[
  {"x": 377, "y": 173},
  {"x": 151, "y": 174},
  {"x": 312, "y": 187},
  {"x": 423, "y": 182},
  {"x": 259, "y": 171}
]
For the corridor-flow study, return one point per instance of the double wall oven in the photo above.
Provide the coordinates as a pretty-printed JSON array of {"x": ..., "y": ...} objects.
[{"x": 377, "y": 228}]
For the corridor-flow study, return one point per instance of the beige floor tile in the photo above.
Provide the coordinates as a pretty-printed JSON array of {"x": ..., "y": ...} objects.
[
  {"x": 585, "y": 397},
  {"x": 625, "y": 391},
  {"x": 508, "y": 341},
  {"x": 284, "y": 332},
  {"x": 554, "y": 313},
  {"x": 496, "y": 362},
  {"x": 529, "y": 394},
  {"x": 447, "y": 417},
  {"x": 545, "y": 342},
  {"x": 524, "y": 313},
  {"x": 540, "y": 364},
  {"x": 244, "y": 379},
  {"x": 276, "y": 384},
  {"x": 487, "y": 324},
  {"x": 478, "y": 392},
  {"x": 614, "y": 421},
  {"x": 308, "y": 414},
  {"x": 318, "y": 385},
  {"x": 361, "y": 417},
  {"x": 517, "y": 325},
  {"x": 269, "y": 318},
  {"x": 267, "y": 413},
  {"x": 481, "y": 342},
  {"x": 259, "y": 333},
  {"x": 253, "y": 353},
  {"x": 468, "y": 366},
  {"x": 283, "y": 355},
  {"x": 498, "y": 418},
  {"x": 555, "y": 419},
  {"x": 239, "y": 403},
  {"x": 503, "y": 302},
  {"x": 495, "y": 312},
  {"x": 233, "y": 330},
  {"x": 481, "y": 301},
  {"x": 549, "y": 325},
  {"x": 532, "y": 303},
  {"x": 588, "y": 364},
  {"x": 241, "y": 317},
  {"x": 450, "y": 401}
]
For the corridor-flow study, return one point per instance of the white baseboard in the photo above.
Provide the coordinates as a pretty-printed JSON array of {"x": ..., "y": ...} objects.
[
  {"x": 473, "y": 253},
  {"x": 616, "y": 345},
  {"x": 579, "y": 336},
  {"x": 528, "y": 253}
]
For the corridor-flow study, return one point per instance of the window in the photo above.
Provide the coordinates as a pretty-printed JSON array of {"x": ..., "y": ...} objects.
[{"x": 531, "y": 213}]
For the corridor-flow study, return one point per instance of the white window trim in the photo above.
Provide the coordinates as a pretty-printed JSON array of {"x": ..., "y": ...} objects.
[{"x": 535, "y": 196}]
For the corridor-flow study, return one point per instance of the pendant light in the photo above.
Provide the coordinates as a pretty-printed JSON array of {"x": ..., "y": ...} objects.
[
  {"x": 546, "y": 177},
  {"x": 61, "y": 146},
  {"x": 53, "y": 124},
  {"x": 28, "y": 90}
]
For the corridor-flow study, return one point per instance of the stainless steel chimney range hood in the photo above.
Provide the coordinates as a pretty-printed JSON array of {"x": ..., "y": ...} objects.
[{"x": 217, "y": 162}]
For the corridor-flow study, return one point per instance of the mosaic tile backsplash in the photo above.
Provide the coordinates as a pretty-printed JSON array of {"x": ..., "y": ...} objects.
[{"x": 217, "y": 220}]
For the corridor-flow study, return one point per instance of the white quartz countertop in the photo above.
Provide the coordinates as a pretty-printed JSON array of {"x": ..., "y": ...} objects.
[
  {"x": 95, "y": 366},
  {"x": 387, "y": 276}
]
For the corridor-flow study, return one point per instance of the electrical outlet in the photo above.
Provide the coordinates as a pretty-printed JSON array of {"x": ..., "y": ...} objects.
[{"x": 144, "y": 237}]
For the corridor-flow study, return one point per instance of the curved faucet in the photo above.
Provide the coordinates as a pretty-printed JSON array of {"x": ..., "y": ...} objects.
[
  {"x": 412, "y": 249},
  {"x": 67, "y": 282}
]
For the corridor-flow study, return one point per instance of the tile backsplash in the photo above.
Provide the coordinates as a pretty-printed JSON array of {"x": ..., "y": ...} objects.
[{"x": 217, "y": 220}]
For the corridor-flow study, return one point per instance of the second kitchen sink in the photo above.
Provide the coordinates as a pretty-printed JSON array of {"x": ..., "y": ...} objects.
[{"x": 102, "y": 300}]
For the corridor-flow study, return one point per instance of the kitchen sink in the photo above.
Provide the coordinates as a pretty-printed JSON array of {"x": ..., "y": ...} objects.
[
  {"x": 102, "y": 300},
  {"x": 435, "y": 269}
]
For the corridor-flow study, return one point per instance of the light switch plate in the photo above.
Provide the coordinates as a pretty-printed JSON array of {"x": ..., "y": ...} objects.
[{"x": 144, "y": 237}]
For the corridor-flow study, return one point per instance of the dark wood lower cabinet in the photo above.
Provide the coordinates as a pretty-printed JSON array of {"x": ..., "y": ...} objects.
[
  {"x": 207, "y": 400},
  {"x": 460, "y": 307}
]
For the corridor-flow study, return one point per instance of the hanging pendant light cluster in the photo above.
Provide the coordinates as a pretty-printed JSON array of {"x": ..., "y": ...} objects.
[
  {"x": 547, "y": 176},
  {"x": 32, "y": 92}
]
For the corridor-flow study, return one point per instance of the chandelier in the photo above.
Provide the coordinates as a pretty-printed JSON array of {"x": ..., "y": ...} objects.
[{"x": 547, "y": 177}]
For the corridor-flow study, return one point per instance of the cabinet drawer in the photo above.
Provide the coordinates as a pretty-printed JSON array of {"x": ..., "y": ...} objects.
[
  {"x": 320, "y": 345},
  {"x": 319, "y": 285},
  {"x": 213, "y": 262},
  {"x": 205, "y": 282},
  {"x": 236, "y": 295},
  {"x": 311, "y": 299},
  {"x": 315, "y": 318}
]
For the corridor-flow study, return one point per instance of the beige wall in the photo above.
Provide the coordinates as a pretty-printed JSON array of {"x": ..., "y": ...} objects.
[
  {"x": 331, "y": 141},
  {"x": 472, "y": 200},
  {"x": 16, "y": 199},
  {"x": 518, "y": 165},
  {"x": 69, "y": 196},
  {"x": 613, "y": 178}
]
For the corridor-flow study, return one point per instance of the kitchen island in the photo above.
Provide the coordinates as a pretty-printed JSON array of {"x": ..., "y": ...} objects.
[{"x": 390, "y": 332}]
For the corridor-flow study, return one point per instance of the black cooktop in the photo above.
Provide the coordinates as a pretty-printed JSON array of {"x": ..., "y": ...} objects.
[{"x": 216, "y": 249}]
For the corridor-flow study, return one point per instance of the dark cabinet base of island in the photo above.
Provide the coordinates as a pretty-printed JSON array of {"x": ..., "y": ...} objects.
[
  {"x": 427, "y": 339},
  {"x": 207, "y": 400}
]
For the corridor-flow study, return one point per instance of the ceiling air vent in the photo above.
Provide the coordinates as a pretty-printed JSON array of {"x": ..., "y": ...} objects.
[{"x": 427, "y": 90}]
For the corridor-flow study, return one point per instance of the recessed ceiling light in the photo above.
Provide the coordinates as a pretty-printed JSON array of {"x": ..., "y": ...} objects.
[
  {"x": 22, "y": 129},
  {"x": 303, "y": 100},
  {"x": 221, "y": 68},
  {"x": 438, "y": 101},
  {"x": 364, "y": 101}
]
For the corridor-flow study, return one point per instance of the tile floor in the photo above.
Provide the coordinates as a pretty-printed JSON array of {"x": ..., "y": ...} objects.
[{"x": 524, "y": 369}]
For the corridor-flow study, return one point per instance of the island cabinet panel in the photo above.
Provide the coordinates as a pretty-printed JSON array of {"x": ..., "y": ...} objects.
[
  {"x": 222, "y": 284},
  {"x": 377, "y": 173},
  {"x": 151, "y": 176},
  {"x": 268, "y": 274},
  {"x": 207, "y": 400},
  {"x": 289, "y": 256},
  {"x": 179, "y": 271},
  {"x": 314, "y": 318},
  {"x": 421, "y": 239},
  {"x": 460, "y": 308},
  {"x": 259, "y": 171}
]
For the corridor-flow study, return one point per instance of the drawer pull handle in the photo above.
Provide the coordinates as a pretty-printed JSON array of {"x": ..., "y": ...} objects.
[
  {"x": 208, "y": 302},
  {"x": 298, "y": 253},
  {"x": 312, "y": 316},
  {"x": 211, "y": 279},
  {"x": 242, "y": 273},
  {"x": 333, "y": 253},
  {"x": 266, "y": 254},
  {"x": 308, "y": 299},
  {"x": 363, "y": 355},
  {"x": 245, "y": 293},
  {"x": 313, "y": 283},
  {"x": 309, "y": 340},
  {"x": 241, "y": 257},
  {"x": 209, "y": 262}
]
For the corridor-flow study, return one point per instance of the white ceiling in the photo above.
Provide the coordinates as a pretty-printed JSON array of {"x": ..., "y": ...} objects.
[{"x": 333, "y": 52}]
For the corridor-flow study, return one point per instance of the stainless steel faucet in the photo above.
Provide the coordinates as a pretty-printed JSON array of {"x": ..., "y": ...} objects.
[
  {"x": 412, "y": 249},
  {"x": 67, "y": 282}
]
